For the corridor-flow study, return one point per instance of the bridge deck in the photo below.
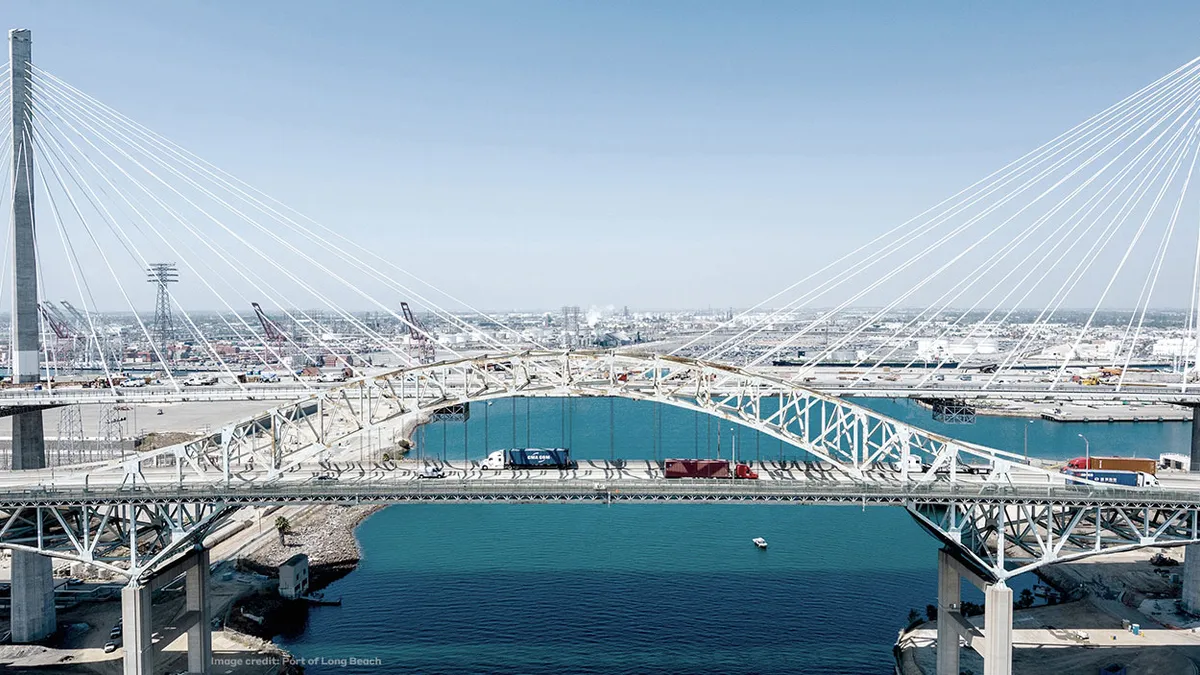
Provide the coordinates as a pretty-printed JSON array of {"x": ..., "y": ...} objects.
[{"x": 565, "y": 489}]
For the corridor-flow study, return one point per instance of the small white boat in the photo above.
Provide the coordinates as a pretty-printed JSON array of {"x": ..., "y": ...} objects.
[{"x": 760, "y": 542}]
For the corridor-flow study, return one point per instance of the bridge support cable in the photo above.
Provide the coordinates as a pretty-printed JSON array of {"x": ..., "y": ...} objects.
[
  {"x": 984, "y": 329},
  {"x": 1156, "y": 132},
  {"x": 1138, "y": 190},
  {"x": 1129, "y": 249},
  {"x": 935, "y": 275},
  {"x": 1071, "y": 238},
  {"x": 49, "y": 160},
  {"x": 250, "y": 331},
  {"x": 144, "y": 263},
  {"x": 1147, "y": 93},
  {"x": 1164, "y": 245},
  {"x": 919, "y": 256},
  {"x": 175, "y": 215},
  {"x": 946, "y": 300},
  {"x": 1185, "y": 103},
  {"x": 197, "y": 169},
  {"x": 203, "y": 240},
  {"x": 229, "y": 259},
  {"x": 1138, "y": 114},
  {"x": 267, "y": 205},
  {"x": 58, "y": 152}
]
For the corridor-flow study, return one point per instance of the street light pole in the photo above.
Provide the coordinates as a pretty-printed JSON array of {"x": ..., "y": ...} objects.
[{"x": 1087, "y": 451}]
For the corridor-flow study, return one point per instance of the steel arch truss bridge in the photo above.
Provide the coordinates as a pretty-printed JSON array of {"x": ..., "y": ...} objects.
[
  {"x": 854, "y": 439},
  {"x": 178, "y": 493}
]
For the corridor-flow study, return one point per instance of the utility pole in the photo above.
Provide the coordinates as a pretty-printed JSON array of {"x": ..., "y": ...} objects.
[{"x": 32, "y": 581}]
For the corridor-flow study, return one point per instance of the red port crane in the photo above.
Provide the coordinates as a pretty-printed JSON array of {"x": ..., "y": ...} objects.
[
  {"x": 271, "y": 329},
  {"x": 426, "y": 352},
  {"x": 60, "y": 328}
]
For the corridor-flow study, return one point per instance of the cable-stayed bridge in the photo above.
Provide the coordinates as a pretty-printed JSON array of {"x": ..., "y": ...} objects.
[{"x": 1102, "y": 216}]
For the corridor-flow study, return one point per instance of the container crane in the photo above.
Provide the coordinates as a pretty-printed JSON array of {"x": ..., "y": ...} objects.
[
  {"x": 76, "y": 315},
  {"x": 92, "y": 327},
  {"x": 61, "y": 330},
  {"x": 271, "y": 330},
  {"x": 64, "y": 338},
  {"x": 426, "y": 352}
]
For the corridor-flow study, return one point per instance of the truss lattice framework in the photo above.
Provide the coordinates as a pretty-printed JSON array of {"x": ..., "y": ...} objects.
[
  {"x": 1004, "y": 539},
  {"x": 259, "y": 450},
  {"x": 129, "y": 540},
  {"x": 851, "y": 437}
]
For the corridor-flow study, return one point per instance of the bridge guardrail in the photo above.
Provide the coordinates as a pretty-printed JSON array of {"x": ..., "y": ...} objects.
[{"x": 698, "y": 490}]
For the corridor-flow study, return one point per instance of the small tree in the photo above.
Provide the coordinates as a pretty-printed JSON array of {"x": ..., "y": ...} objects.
[
  {"x": 971, "y": 609},
  {"x": 284, "y": 528},
  {"x": 914, "y": 617},
  {"x": 931, "y": 612},
  {"x": 1026, "y": 599}
]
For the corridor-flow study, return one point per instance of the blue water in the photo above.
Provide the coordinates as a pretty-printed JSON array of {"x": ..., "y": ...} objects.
[{"x": 647, "y": 588}]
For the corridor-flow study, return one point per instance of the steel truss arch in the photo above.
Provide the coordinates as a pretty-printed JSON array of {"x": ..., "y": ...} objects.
[{"x": 269, "y": 450}]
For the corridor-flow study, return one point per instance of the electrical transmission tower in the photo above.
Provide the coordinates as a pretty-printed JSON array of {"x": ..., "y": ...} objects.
[
  {"x": 163, "y": 329},
  {"x": 70, "y": 446},
  {"x": 110, "y": 435}
]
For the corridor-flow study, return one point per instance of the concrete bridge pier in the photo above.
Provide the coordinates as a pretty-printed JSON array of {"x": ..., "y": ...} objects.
[
  {"x": 138, "y": 618},
  {"x": 137, "y": 628},
  {"x": 949, "y": 618},
  {"x": 199, "y": 618},
  {"x": 994, "y": 642},
  {"x": 997, "y": 629},
  {"x": 1191, "y": 554}
]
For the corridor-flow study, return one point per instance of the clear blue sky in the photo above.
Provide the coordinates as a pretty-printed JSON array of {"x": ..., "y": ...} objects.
[{"x": 535, "y": 154}]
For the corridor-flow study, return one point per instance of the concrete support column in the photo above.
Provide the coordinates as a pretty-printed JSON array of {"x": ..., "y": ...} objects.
[
  {"x": 949, "y": 600},
  {"x": 997, "y": 629},
  {"x": 137, "y": 628},
  {"x": 199, "y": 637},
  {"x": 1191, "y": 579},
  {"x": 1191, "y": 554},
  {"x": 32, "y": 597}
]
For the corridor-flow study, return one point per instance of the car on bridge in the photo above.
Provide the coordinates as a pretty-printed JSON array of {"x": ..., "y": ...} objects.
[{"x": 200, "y": 381}]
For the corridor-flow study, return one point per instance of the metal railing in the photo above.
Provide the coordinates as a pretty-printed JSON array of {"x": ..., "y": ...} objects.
[{"x": 449, "y": 489}]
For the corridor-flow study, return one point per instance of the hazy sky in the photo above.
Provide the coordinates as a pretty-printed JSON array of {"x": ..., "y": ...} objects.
[{"x": 663, "y": 154}]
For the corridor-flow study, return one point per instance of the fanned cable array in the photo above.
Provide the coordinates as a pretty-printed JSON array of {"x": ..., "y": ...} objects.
[
  {"x": 1100, "y": 223},
  {"x": 115, "y": 199}
]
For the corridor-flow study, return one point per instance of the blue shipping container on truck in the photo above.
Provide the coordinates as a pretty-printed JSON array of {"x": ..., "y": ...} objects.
[
  {"x": 541, "y": 457},
  {"x": 1129, "y": 478}
]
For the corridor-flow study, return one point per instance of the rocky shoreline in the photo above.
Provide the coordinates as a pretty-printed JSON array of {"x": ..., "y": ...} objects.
[{"x": 327, "y": 535}]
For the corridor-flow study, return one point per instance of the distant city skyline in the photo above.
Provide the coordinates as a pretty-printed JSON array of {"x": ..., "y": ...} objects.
[{"x": 676, "y": 156}]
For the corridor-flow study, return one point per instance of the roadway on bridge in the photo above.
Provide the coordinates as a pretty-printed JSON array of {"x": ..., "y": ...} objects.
[{"x": 595, "y": 480}]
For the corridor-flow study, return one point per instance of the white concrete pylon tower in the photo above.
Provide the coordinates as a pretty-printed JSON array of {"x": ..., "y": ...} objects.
[{"x": 32, "y": 581}]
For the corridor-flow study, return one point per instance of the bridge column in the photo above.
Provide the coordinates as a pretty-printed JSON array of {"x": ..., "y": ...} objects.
[
  {"x": 136, "y": 629},
  {"x": 1191, "y": 554},
  {"x": 199, "y": 637},
  {"x": 949, "y": 600},
  {"x": 32, "y": 574},
  {"x": 997, "y": 629}
]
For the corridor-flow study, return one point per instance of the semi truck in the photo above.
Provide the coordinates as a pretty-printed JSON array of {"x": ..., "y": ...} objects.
[
  {"x": 1143, "y": 464},
  {"x": 1127, "y": 478},
  {"x": 707, "y": 468},
  {"x": 529, "y": 458}
]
